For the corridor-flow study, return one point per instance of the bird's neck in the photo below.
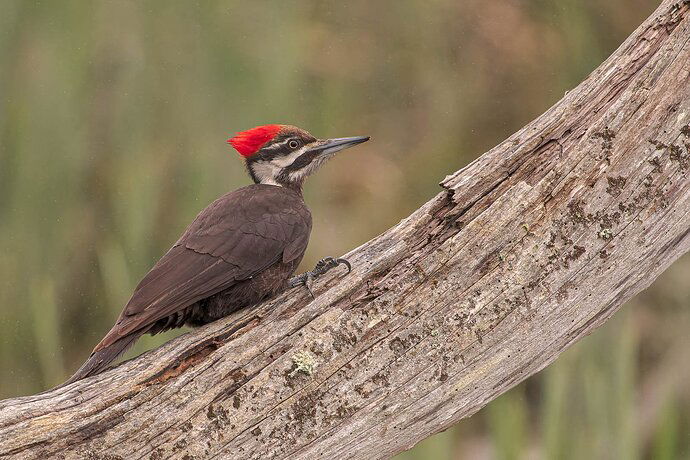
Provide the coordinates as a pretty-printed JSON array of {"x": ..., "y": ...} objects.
[
  {"x": 292, "y": 186},
  {"x": 268, "y": 175}
]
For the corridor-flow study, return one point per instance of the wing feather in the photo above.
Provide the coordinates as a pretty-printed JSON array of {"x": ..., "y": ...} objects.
[{"x": 234, "y": 238}]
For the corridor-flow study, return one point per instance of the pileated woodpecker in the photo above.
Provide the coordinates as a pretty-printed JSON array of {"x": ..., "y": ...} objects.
[{"x": 240, "y": 250}]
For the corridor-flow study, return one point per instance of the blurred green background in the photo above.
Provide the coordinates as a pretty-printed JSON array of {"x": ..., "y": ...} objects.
[{"x": 113, "y": 120}]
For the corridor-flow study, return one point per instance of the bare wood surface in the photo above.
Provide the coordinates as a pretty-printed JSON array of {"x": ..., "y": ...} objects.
[{"x": 522, "y": 253}]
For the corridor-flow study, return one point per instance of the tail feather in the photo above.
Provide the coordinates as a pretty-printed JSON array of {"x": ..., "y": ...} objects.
[{"x": 100, "y": 359}]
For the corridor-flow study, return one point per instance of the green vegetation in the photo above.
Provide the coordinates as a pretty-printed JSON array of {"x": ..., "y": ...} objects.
[{"x": 113, "y": 120}]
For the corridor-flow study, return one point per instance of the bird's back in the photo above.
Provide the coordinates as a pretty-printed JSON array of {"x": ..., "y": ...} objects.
[{"x": 235, "y": 238}]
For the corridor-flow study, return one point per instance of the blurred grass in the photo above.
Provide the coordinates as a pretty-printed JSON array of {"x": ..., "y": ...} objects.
[{"x": 113, "y": 117}]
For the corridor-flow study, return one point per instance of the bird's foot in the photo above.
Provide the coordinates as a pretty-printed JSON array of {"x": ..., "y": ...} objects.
[{"x": 322, "y": 267}]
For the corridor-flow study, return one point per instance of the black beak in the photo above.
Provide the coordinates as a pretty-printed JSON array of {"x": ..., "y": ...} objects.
[{"x": 335, "y": 145}]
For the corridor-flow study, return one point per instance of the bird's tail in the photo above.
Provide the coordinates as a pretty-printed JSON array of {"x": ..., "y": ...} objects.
[{"x": 100, "y": 359}]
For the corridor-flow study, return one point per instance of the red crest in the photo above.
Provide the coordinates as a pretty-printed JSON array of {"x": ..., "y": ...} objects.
[{"x": 247, "y": 143}]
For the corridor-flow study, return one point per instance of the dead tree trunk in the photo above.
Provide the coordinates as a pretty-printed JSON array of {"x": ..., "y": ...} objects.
[{"x": 524, "y": 251}]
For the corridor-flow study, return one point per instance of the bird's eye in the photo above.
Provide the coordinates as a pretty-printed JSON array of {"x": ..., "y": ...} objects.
[{"x": 293, "y": 144}]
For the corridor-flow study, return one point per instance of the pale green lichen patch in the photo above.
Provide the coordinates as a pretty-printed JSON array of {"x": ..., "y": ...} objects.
[
  {"x": 303, "y": 362},
  {"x": 605, "y": 234}
]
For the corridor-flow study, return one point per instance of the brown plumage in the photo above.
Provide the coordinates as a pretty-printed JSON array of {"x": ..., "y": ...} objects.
[{"x": 240, "y": 250}]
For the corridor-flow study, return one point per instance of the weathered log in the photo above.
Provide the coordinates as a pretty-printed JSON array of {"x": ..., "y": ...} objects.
[{"x": 522, "y": 253}]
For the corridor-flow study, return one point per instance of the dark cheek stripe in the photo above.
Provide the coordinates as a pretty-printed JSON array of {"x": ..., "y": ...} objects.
[{"x": 302, "y": 161}]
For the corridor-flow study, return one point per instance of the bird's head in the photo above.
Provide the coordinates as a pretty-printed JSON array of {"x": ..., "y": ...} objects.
[{"x": 285, "y": 155}]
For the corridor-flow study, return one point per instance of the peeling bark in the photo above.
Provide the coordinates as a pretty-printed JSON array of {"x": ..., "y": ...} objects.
[{"x": 522, "y": 253}]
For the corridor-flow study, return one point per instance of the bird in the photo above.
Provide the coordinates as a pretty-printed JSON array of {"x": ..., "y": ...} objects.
[{"x": 239, "y": 251}]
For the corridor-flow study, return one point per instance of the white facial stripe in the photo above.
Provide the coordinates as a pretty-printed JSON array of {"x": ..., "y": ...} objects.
[
  {"x": 298, "y": 175},
  {"x": 276, "y": 146},
  {"x": 287, "y": 160},
  {"x": 266, "y": 172}
]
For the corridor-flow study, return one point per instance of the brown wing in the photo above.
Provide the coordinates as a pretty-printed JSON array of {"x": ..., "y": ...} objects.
[{"x": 233, "y": 239}]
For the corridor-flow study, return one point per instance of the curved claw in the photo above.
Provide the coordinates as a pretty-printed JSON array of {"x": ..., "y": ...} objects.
[
  {"x": 344, "y": 262},
  {"x": 323, "y": 266}
]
